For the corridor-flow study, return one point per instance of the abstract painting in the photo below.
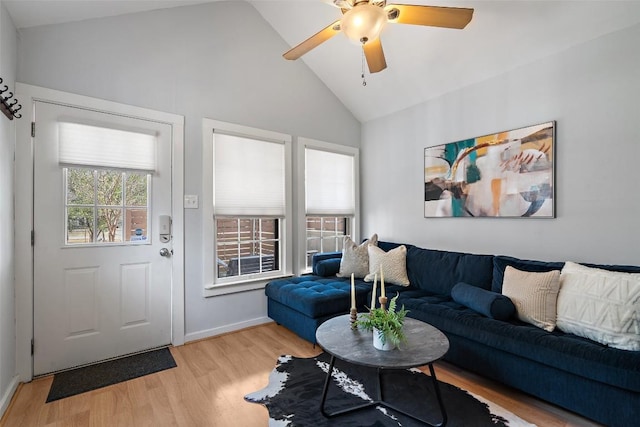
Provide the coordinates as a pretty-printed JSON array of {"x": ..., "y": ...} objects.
[{"x": 506, "y": 174}]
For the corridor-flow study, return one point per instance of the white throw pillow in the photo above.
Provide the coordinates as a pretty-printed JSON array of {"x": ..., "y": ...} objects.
[
  {"x": 393, "y": 264},
  {"x": 534, "y": 295},
  {"x": 601, "y": 305},
  {"x": 355, "y": 259}
]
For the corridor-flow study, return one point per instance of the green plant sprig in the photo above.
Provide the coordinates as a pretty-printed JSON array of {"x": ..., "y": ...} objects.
[{"x": 388, "y": 322}]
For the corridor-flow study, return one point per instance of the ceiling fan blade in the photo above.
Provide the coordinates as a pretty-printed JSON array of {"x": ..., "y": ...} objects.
[
  {"x": 340, "y": 4},
  {"x": 375, "y": 56},
  {"x": 313, "y": 41},
  {"x": 432, "y": 16}
]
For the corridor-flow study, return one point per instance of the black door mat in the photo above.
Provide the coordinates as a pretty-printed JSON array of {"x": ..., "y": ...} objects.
[{"x": 76, "y": 381}]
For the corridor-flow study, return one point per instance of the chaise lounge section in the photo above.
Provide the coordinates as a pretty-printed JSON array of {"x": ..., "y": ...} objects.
[{"x": 303, "y": 303}]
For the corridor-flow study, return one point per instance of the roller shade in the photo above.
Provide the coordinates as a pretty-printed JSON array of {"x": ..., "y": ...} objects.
[
  {"x": 249, "y": 176},
  {"x": 103, "y": 147},
  {"x": 329, "y": 183}
]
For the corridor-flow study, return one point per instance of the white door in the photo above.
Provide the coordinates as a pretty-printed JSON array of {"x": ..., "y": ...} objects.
[{"x": 102, "y": 206}]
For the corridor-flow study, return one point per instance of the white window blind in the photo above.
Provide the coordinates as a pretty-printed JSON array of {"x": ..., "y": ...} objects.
[
  {"x": 249, "y": 176},
  {"x": 329, "y": 183},
  {"x": 103, "y": 147}
]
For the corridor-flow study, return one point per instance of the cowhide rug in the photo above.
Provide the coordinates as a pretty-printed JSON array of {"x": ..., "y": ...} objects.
[{"x": 293, "y": 396}]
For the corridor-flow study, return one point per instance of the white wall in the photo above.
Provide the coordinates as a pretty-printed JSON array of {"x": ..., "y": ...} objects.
[
  {"x": 219, "y": 60},
  {"x": 8, "y": 63},
  {"x": 591, "y": 90}
]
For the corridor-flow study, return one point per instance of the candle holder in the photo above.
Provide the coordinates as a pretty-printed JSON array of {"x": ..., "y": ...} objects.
[
  {"x": 354, "y": 317},
  {"x": 383, "y": 302}
]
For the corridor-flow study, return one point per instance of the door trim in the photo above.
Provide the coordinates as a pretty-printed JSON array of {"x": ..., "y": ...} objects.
[{"x": 24, "y": 210}]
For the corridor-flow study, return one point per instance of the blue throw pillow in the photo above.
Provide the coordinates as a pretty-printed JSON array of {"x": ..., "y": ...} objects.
[
  {"x": 327, "y": 267},
  {"x": 491, "y": 304}
]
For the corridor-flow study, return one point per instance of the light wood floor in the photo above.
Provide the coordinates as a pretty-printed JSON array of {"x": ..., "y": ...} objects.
[{"x": 208, "y": 386}]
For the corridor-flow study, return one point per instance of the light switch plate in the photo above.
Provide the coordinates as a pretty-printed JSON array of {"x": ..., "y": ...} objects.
[{"x": 190, "y": 201}]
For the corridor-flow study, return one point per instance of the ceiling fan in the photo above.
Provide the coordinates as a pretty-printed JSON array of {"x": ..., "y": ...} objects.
[{"x": 363, "y": 20}]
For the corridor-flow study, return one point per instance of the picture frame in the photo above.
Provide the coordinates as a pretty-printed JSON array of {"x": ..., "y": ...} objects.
[{"x": 509, "y": 174}]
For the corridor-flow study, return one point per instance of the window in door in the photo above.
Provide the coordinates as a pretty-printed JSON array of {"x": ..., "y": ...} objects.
[
  {"x": 107, "y": 175},
  {"x": 105, "y": 206}
]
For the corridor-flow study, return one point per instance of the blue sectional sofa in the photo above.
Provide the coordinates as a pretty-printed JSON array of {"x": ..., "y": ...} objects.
[{"x": 599, "y": 382}]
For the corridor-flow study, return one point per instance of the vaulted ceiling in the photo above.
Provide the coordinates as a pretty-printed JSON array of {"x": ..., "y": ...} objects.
[{"x": 423, "y": 62}]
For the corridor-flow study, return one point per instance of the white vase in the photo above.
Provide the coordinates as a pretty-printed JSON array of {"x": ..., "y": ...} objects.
[{"x": 377, "y": 342}]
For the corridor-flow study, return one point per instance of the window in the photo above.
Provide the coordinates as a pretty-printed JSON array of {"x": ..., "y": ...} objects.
[
  {"x": 106, "y": 206},
  {"x": 246, "y": 206},
  {"x": 330, "y": 195},
  {"x": 324, "y": 234},
  {"x": 107, "y": 175},
  {"x": 247, "y": 246}
]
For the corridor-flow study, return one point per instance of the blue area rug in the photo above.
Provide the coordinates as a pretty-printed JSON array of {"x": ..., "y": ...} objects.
[
  {"x": 81, "y": 380},
  {"x": 293, "y": 396}
]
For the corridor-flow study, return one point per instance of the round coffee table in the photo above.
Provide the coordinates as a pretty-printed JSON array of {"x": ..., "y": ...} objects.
[{"x": 425, "y": 344}]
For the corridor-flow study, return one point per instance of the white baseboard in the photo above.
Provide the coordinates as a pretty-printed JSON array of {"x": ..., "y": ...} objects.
[
  {"x": 207, "y": 333},
  {"x": 8, "y": 394}
]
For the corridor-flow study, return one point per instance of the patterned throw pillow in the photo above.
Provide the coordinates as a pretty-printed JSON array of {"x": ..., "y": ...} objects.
[
  {"x": 534, "y": 295},
  {"x": 393, "y": 264},
  {"x": 601, "y": 305},
  {"x": 355, "y": 259}
]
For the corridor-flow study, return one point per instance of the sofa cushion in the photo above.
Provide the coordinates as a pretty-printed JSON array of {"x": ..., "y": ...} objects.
[
  {"x": 355, "y": 258},
  {"x": 600, "y": 305},
  {"x": 501, "y": 262},
  {"x": 491, "y": 304},
  {"x": 534, "y": 294},
  {"x": 327, "y": 267},
  {"x": 317, "y": 296},
  {"x": 439, "y": 271},
  {"x": 392, "y": 264}
]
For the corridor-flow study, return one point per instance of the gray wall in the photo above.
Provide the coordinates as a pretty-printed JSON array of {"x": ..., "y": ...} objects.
[
  {"x": 8, "y": 63},
  {"x": 219, "y": 60},
  {"x": 591, "y": 90}
]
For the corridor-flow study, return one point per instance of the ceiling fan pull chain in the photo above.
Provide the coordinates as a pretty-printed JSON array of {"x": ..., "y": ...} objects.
[{"x": 364, "y": 82}]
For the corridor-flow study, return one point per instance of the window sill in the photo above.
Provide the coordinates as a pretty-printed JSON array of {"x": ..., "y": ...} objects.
[{"x": 212, "y": 290}]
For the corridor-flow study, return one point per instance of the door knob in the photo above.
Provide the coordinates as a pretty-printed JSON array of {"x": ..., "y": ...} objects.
[{"x": 165, "y": 252}]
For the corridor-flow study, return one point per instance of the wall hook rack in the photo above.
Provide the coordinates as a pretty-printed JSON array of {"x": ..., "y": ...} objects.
[{"x": 8, "y": 103}]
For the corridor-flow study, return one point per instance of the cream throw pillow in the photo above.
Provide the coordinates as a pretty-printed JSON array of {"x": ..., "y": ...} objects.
[
  {"x": 393, "y": 264},
  {"x": 534, "y": 295},
  {"x": 601, "y": 305},
  {"x": 355, "y": 259}
]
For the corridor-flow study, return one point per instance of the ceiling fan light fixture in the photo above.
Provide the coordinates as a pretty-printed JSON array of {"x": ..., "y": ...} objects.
[{"x": 363, "y": 23}]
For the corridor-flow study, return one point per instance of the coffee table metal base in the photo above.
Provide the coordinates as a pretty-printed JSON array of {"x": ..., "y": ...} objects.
[{"x": 380, "y": 401}]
